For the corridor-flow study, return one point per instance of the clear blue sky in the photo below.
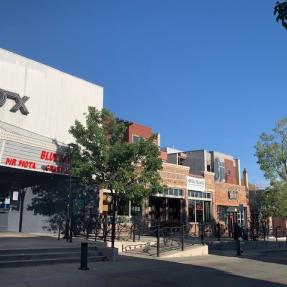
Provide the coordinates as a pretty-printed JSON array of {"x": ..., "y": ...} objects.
[{"x": 205, "y": 74}]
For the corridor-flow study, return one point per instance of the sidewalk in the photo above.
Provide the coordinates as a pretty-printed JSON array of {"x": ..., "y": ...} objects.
[{"x": 24, "y": 240}]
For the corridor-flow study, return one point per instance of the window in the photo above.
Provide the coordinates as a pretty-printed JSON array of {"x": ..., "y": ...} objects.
[
  {"x": 136, "y": 138},
  {"x": 199, "y": 194},
  {"x": 173, "y": 192}
]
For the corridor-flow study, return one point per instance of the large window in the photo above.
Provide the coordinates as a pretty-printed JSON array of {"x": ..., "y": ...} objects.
[
  {"x": 191, "y": 211},
  {"x": 199, "y": 194},
  {"x": 173, "y": 192},
  {"x": 199, "y": 210}
]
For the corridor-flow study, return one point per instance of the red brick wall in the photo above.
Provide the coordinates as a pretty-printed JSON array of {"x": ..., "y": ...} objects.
[
  {"x": 230, "y": 171},
  {"x": 139, "y": 130},
  {"x": 221, "y": 195}
]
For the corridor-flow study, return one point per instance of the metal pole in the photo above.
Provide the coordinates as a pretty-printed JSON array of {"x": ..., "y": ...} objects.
[
  {"x": 182, "y": 238},
  {"x": 157, "y": 240},
  {"x": 202, "y": 233},
  {"x": 22, "y": 199},
  {"x": 84, "y": 256},
  {"x": 70, "y": 198},
  {"x": 134, "y": 234},
  {"x": 114, "y": 220}
]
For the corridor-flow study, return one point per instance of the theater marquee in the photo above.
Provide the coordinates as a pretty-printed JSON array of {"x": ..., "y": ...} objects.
[{"x": 23, "y": 150}]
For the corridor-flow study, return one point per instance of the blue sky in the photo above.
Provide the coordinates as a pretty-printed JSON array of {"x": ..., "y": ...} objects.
[{"x": 205, "y": 74}]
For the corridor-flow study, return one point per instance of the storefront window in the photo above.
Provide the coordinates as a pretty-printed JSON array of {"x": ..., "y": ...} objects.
[
  {"x": 191, "y": 210},
  {"x": 199, "y": 194},
  {"x": 207, "y": 211},
  {"x": 199, "y": 211}
]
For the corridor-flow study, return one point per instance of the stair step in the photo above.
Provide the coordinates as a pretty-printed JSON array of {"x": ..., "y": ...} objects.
[
  {"x": 38, "y": 250},
  {"x": 61, "y": 260},
  {"x": 32, "y": 256}
]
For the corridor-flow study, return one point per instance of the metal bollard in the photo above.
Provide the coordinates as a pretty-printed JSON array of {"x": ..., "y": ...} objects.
[
  {"x": 157, "y": 240},
  {"x": 134, "y": 235},
  {"x": 182, "y": 238},
  {"x": 84, "y": 256}
]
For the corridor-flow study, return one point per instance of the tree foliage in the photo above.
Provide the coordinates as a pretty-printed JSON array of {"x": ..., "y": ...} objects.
[
  {"x": 103, "y": 158},
  {"x": 271, "y": 152},
  {"x": 274, "y": 201},
  {"x": 280, "y": 11}
]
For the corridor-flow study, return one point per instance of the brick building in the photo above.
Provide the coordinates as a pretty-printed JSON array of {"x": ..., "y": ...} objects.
[
  {"x": 201, "y": 186},
  {"x": 223, "y": 194}
]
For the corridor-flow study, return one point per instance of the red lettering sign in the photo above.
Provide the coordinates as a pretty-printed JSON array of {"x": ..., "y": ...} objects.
[
  {"x": 27, "y": 164},
  {"x": 11, "y": 161},
  {"x": 49, "y": 156}
]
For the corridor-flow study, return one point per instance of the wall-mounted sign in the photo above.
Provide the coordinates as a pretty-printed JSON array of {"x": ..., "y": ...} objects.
[
  {"x": 22, "y": 156},
  {"x": 19, "y": 102},
  {"x": 194, "y": 183},
  {"x": 233, "y": 193}
]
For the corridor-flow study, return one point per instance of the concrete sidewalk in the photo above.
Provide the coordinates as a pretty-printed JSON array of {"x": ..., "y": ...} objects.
[
  {"x": 22, "y": 240},
  {"x": 206, "y": 271}
]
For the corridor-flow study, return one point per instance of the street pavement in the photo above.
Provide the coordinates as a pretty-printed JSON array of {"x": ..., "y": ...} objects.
[
  {"x": 212, "y": 270},
  {"x": 222, "y": 268}
]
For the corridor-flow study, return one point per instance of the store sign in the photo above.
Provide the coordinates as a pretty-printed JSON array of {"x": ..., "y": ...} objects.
[
  {"x": 194, "y": 183},
  {"x": 19, "y": 102},
  {"x": 233, "y": 193},
  {"x": 17, "y": 155}
]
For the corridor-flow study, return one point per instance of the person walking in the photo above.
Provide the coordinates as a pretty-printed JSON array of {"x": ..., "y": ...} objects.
[{"x": 237, "y": 235}]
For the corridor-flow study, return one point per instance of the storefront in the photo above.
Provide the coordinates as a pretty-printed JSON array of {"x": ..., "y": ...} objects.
[
  {"x": 168, "y": 207},
  {"x": 231, "y": 206},
  {"x": 199, "y": 201},
  {"x": 38, "y": 105}
]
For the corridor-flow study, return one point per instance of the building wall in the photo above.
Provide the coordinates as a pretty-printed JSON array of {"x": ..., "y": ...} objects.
[
  {"x": 196, "y": 161},
  {"x": 56, "y": 99},
  {"x": 138, "y": 130},
  {"x": 222, "y": 197},
  {"x": 174, "y": 175},
  {"x": 230, "y": 171}
]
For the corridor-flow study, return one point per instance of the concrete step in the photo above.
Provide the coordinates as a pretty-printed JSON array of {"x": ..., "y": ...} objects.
[
  {"x": 40, "y": 250},
  {"x": 52, "y": 255},
  {"x": 42, "y": 256},
  {"x": 60, "y": 260}
]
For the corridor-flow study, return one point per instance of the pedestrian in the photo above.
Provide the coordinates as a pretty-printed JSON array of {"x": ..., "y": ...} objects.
[{"x": 237, "y": 235}]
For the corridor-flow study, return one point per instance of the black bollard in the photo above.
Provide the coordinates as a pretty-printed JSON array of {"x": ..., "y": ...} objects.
[
  {"x": 157, "y": 240},
  {"x": 84, "y": 256},
  {"x": 182, "y": 237}
]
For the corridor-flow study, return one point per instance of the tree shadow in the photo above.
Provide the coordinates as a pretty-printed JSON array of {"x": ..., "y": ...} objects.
[
  {"x": 271, "y": 256},
  {"x": 148, "y": 272}
]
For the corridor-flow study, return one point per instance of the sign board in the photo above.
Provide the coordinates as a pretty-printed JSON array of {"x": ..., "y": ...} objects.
[
  {"x": 17, "y": 155},
  {"x": 25, "y": 150},
  {"x": 233, "y": 193},
  {"x": 195, "y": 183}
]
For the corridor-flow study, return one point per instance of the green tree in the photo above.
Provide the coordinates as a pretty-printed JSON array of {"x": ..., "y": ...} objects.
[
  {"x": 102, "y": 157},
  {"x": 274, "y": 201},
  {"x": 271, "y": 152},
  {"x": 280, "y": 11}
]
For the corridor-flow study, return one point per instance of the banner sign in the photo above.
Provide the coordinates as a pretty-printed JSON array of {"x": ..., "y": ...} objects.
[
  {"x": 22, "y": 156},
  {"x": 194, "y": 183}
]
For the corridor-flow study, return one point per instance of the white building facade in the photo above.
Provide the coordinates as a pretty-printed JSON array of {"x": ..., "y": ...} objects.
[{"x": 38, "y": 105}]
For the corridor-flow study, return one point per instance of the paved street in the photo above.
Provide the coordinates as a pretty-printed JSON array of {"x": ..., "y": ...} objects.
[{"x": 213, "y": 270}]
